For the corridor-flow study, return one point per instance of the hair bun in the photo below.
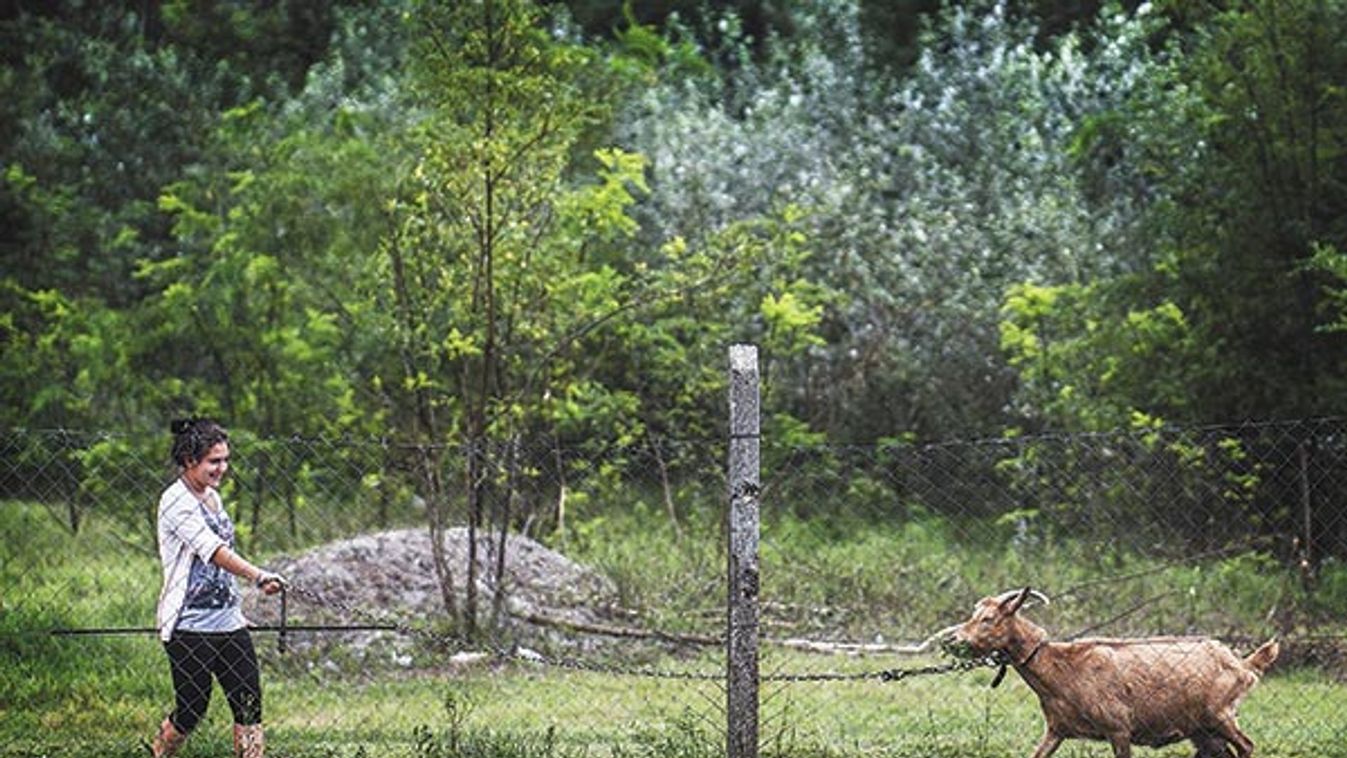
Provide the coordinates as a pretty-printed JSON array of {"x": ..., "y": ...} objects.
[{"x": 180, "y": 425}]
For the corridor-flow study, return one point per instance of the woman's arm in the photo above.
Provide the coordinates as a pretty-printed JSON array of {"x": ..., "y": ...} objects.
[{"x": 236, "y": 564}]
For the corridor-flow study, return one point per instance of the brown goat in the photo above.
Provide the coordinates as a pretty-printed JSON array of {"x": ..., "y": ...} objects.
[{"x": 1151, "y": 691}]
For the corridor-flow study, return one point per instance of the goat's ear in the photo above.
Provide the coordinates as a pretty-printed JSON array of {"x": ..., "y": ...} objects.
[{"x": 1013, "y": 603}]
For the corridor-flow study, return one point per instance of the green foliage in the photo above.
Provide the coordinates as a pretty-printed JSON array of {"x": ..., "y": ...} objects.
[
  {"x": 1230, "y": 141},
  {"x": 486, "y": 743},
  {"x": 641, "y": 51},
  {"x": 1331, "y": 590},
  {"x": 486, "y": 268},
  {"x": 72, "y": 361},
  {"x": 270, "y": 46},
  {"x": 100, "y": 286},
  {"x": 182, "y": 169},
  {"x": 94, "y": 94},
  {"x": 1331, "y": 261},
  {"x": 1096, "y": 378},
  {"x": 525, "y": 303},
  {"x": 925, "y": 197},
  {"x": 687, "y": 737},
  {"x": 270, "y": 246},
  {"x": 654, "y": 562}
]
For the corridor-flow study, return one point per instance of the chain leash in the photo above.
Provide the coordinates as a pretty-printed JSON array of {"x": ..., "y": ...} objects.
[
  {"x": 889, "y": 675},
  {"x": 446, "y": 641}
]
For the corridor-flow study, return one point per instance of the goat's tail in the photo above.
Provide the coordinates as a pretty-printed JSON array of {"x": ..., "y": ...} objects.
[{"x": 1261, "y": 659}]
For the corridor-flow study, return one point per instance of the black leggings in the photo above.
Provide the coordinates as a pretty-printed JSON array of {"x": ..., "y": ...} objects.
[{"x": 194, "y": 657}]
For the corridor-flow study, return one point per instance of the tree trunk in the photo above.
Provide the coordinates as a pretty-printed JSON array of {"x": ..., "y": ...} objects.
[
  {"x": 667, "y": 489},
  {"x": 436, "y": 508}
]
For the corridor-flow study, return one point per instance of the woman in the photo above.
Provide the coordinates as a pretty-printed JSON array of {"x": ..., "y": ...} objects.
[{"x": 200, "y": 615}]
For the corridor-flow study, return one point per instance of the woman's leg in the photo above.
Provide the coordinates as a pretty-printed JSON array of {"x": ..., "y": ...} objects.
[
  {"x": 239, "y": 677},
  {"x": 190, "y": 661},
  {"x": 236, "y": 668}
]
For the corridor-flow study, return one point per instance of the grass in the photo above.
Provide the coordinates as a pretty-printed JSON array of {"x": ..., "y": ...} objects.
[
  {"x": 523, "y": 713},
  {"x": 87, "y": 696}
]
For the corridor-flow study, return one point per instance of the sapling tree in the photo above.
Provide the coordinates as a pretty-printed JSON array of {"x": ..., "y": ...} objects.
[{"x": 490, "y": 258}]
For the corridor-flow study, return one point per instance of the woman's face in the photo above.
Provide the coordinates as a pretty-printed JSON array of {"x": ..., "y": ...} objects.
[{"x": 208, "y": 471}]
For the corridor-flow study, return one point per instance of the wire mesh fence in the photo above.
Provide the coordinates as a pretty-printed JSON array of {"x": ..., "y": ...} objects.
[{"x": 544, "y": 597}]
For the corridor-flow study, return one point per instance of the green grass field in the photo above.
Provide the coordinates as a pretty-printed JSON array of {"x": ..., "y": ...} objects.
[
  {"x": 522, "y": 711},
  {"x": 100, "y": 696}
]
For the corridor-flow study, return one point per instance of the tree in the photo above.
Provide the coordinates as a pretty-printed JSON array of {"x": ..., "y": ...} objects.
[
  {"x": 926, "y": 197},
  {"x": 1232, "y": 149},
  {"x": 488, "y": 275},
  {"x": 1235, "y": 148},
  {"x": 169, "y": 258},
  {"x": 255, "y": 313},
  {"x": 1273, "y": 187},
  {"x": 104, "y": 107}
]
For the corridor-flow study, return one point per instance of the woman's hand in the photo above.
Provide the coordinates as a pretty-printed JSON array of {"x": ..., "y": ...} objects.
[{"x": 270, "y": 582}]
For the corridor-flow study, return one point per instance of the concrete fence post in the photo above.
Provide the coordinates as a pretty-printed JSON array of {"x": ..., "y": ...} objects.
[{"x": 742, "y": 636}]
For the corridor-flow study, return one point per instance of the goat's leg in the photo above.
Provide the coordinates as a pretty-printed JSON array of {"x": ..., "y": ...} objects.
[
  {"x": 1122, "y": 745},
  {"x": 1240, "y": 741},
  {"x": 1048, "y": 744},
  {"x": 1210, "y": 745}
]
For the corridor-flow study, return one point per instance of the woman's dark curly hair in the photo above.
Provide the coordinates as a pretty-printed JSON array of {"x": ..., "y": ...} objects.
[{"x": 194, "y": 437}]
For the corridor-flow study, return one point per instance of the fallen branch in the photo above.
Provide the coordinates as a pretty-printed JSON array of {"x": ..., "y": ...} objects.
[
  {"x": 625, "y": 632},
  {"x": 807, "y": 645}
]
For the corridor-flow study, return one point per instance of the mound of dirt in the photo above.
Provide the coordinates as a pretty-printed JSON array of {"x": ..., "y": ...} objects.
[{"x": 388, "y": 578}]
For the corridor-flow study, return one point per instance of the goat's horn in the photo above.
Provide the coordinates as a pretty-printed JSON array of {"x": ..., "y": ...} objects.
[{"x": 1008, "y": 594}]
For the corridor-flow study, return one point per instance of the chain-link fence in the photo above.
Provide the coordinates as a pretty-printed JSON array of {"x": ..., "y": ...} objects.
[{"x": 549, "y": 597}]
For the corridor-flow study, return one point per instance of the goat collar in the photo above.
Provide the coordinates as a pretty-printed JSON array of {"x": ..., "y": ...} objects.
[
  {"x": 1032, "y": 653},
  {"x": 1006, "y": 662}
]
